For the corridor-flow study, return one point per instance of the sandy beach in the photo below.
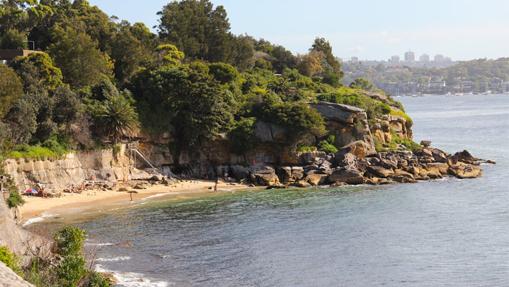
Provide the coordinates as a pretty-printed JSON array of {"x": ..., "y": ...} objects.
[{"x": 99, "y": 200}]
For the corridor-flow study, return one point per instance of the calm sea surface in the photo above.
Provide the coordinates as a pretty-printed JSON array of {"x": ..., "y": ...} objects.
[{"x": 441, "y": 233}]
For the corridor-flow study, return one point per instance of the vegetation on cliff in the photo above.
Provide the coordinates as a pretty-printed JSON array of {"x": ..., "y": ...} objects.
[{"x": 97, "y": 80}]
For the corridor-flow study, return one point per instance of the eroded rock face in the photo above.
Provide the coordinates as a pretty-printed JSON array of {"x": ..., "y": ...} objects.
[
  {"x": 73, "y": 169},
  {"x": 10, "y": 279},
  {"x": 349, "y": 124}
]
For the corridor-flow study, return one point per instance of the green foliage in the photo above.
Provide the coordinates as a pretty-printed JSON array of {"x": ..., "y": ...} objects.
[
  {"x": 362, "y": 84},
  {"x": 15, "y": 200},
  {"x": 298, "y": 118},
  {"x": 355, "y": 97},
  {"x": 242, "y": 136},
  {"x": 179, "y": 25},
  {"x": 187, "y": 100},
  {"x": 38, "y": 72},
  {"x": 224, "y": 73},
  {"x": 71, "y": 270},
  {"x": 79, "y": 58},
  {"x": 116, "y": 117},
  {"x": 13, "y": 39},
  {"x": 132, "y": 50},
  {"x": 305, "y": 148},
  {"x": 11, "y": 89},
  {"x": 53, "y": 148},
  {"x": 170, "y": 54},
  {"x": 400, "y": 113},
  {"x": 328, "y": 145},
  {"x": 9, "y": 259},
  {"x": 97, "y": 280},
  {"x": 69, "y": 241}
]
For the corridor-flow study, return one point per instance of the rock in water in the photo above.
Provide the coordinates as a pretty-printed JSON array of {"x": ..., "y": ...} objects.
[
  {"x": 347, "y": 175},
  {"x": 465, "y": 171}
]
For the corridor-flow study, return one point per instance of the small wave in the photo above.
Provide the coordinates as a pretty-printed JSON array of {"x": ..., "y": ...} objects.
[
  {"x": 130, "y": 279},
  {"x": 155, "y": 196},
  {"x": 113, "y": 259},
  {"x": 99, "y": 244},
  {"x": 38, "y": 219}
]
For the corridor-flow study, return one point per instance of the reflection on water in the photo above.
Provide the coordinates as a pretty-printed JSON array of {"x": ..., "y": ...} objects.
[{"x": 441, "y": 233}]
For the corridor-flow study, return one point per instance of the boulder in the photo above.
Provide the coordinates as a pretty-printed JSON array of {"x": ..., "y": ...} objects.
[
  {"x": 239, "y": 172},
  {"x": 380, "y": 171},
  {"x": 347, "y": 175},
  {"x": 302, "y": 183},
  {"x": 464, "y": 171},
  {"x": 308, "y": 158},
  {"x": 316, "y": 179},
  {"x": 464, "y": 157},
  {"x": 297, "y": 173},
  {"x": 285, "y": 174},
  {"x": 265, "y": 176},
  {"x": 359, "y": 149}
]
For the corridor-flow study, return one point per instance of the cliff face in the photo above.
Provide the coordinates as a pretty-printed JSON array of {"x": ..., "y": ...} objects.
[
  {"x": 347, "y": 123},
  {"x": 10, "y": 279},
  {"x": 74, "y": 169}
]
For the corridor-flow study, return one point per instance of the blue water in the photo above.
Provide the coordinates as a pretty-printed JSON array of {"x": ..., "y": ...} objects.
[{"x": 440, "y": 233}]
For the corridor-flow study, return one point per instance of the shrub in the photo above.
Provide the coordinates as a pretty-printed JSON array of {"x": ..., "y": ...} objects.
[
  {"x": 71, "y": 270},
  {"x": 328, "y": 145},
  {"x": 242, "y": 136},
  {"x": 69, "y": 241},
  {"x": 305, "y": 148},
  {"x": 223, "y": 73},
  {"x": 355, "y": 97},
  {"x": 97, "y": 280},
  {"x": 14, "y": 200},
  {"x": 9, "y": 259}
]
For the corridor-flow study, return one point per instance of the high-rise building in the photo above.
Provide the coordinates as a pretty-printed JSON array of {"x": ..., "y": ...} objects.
[
  {"x": 394, "y": 59},
  {"x": 424, "y": 58},
  {"x": 439, "y": 58},
  {"x": 409, "y": 56}
]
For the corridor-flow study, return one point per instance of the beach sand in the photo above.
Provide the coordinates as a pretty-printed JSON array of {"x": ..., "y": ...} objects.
[{"x": 36, "y": 208}]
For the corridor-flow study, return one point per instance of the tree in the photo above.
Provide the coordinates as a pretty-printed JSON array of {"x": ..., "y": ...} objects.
[
  {"x": 311, "y": 64},
  {"x": 331, "y": 68},
  {"x": 363, "y": 84},
  {"x": 79, "y": 58},
  {"x": 22, "y": 119},
  {"x": 187, "y": 101},
  {"x": 131, "y": 49},
  {"x": 197, "y": 28},
  {"x": 170, "y": 54},
  {"x": 11, "y": 89},
  {"x": 38, "y": 72},
  {"x": 13, "y": 39},
  {"x": 116, "y": 118}
]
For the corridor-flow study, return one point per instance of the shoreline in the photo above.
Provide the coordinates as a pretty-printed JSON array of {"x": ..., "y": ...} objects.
[{"x": 37, "y": 209}]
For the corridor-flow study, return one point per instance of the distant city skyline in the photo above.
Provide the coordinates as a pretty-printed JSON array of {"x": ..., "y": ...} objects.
[{"x": 375, "y": 30}]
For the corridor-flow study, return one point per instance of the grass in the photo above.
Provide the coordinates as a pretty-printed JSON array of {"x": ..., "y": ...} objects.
[
  {"x": 400, "y": 113},
  {"x": 35, "y": 152},
  {"x": 50, "y": 149}
]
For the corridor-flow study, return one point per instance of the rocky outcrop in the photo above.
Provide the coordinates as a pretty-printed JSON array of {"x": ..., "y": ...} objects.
[
  {"x": 349, "y": 124},
  {"x": 10, "y": 279}
]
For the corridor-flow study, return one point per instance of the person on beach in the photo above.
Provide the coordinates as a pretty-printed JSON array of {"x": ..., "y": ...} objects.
[{"x": 216, "y": 183}]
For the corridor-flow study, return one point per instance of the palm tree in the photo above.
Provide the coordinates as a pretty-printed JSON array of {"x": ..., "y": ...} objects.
[{"x": 116, "y": 118}]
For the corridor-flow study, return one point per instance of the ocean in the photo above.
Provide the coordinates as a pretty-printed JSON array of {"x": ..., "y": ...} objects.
[{"x": 440, "y": 233}]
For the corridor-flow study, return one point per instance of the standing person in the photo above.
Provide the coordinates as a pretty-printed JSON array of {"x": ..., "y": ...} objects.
[{"x": 216, "y": 183}]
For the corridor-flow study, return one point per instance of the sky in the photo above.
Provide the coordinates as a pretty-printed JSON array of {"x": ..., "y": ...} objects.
[{"x": 367, "y": 29}]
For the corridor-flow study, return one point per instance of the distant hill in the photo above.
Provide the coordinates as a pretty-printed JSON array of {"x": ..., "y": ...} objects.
[{"x": 476, "y": 76}]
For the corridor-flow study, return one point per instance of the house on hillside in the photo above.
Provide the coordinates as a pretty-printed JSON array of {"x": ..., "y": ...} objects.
[{"x": 7, "y": 55}]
